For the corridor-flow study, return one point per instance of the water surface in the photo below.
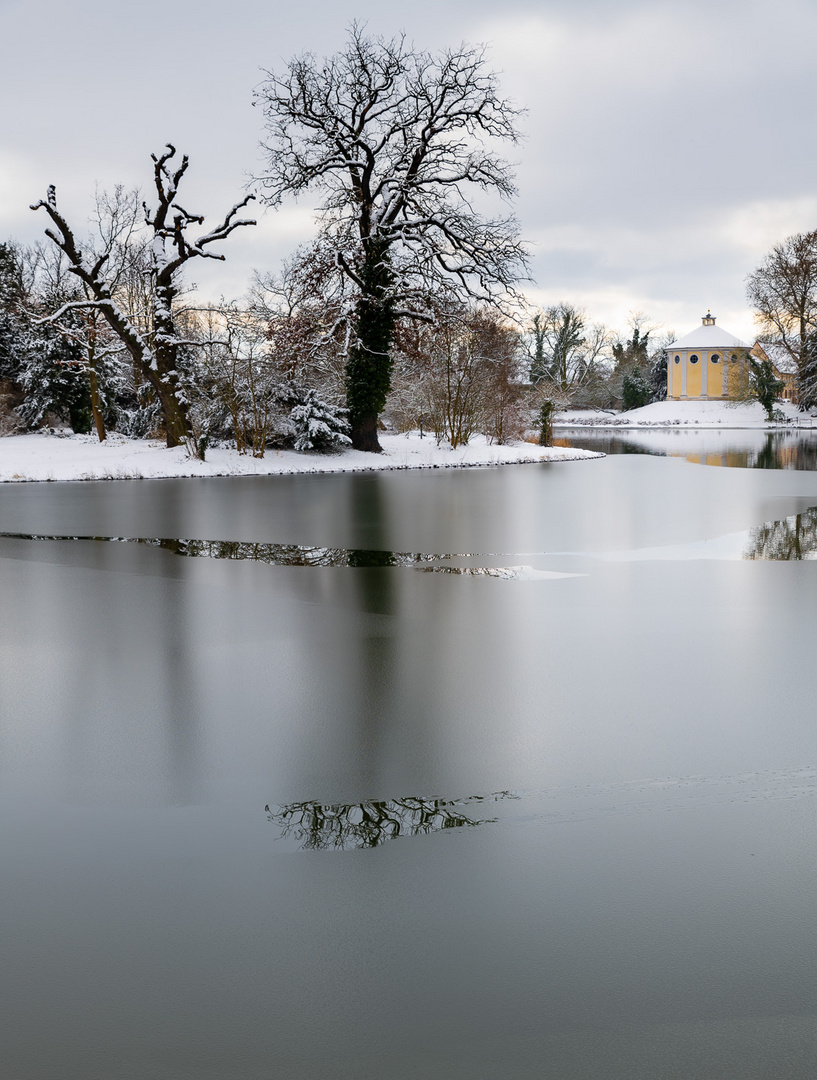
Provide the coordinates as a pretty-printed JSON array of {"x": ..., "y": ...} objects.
[
  {"x": 323, "y": 813},
  {"x": 731, "y": 447}
]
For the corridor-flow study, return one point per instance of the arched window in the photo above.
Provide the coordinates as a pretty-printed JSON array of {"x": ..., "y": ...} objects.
[
  {"x": 714, "y": 358},
  {"x": 677, "y": 359},
  {"x": 693, "y": 359}
]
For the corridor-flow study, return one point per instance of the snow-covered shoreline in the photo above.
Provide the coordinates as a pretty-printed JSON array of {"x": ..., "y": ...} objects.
[
  {"x": 59, "y": 457},
  {"x": 709, "y": 414}
]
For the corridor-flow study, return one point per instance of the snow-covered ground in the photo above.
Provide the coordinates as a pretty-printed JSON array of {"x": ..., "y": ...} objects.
[
  {"x": 82, "y": 457},
  {"x": 714, "y": 414}
]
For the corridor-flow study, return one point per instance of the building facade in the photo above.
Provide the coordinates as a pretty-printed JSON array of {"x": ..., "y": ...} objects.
[
  {"x": 783, "y": 363},
  {"x": 707, "y": 364}
]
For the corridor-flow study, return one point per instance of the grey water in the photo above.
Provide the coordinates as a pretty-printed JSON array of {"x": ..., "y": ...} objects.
[
  {"x": 795, "y": 448},
  {"x": 279, "y": 802}
]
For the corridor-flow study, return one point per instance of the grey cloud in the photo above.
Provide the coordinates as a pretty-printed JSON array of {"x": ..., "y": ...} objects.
[{"x": 649, "y": 125}]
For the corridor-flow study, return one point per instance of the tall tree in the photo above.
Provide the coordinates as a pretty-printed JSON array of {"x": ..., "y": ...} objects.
[
  {"x": 783, "y": 292},
  {"x": 764, "y": 384},
  {"x": 155, "y": 354},
  {"x": 394, "y": 138},
  {"x": 12, "y": 291},
  {"x": 41, "y": 370},
  {"x": 635, "y": 351},
  {"x": 116, "y": 236},
  {"x": 565, "y": 351}
]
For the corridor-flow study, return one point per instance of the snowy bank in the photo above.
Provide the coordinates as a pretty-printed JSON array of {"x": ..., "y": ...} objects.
[
  {"x": 83, "y": 457},
  {"x": 712, "y": 414}
]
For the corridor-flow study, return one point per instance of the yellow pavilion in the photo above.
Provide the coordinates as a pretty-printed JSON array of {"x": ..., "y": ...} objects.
[{"x": 707, "y": 364}]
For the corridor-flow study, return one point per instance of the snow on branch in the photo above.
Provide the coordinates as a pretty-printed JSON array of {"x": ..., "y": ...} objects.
[
  {"x": 154, "y": 353},
  {"x": 393, "y": 138}
]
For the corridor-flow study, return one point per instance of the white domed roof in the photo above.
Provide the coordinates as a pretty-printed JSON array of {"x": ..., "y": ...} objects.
[{"x": 708, "y": 336}]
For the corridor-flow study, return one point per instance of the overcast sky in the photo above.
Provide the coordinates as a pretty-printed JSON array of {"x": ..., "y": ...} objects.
[{"x": 668, "y": 144}]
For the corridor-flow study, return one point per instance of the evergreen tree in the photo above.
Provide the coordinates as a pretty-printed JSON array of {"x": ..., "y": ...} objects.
[
  {"x": 11, "y": 277},
  {"x": 807, "y": 375},
  {"x": 319, "y": 425},
  {"x": 11, "y": 322},
  {"x": 764, "y": 384},
  {"x": 633, "y": 353},
  {"x": 636, "y": 390},
  {"x": 658, "y": 376},
  {"x": 545, "y": 419},
  {"x": 54, "y": 381}
]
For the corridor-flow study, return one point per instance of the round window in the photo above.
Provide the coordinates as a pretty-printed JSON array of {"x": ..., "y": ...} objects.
[
  {"x": 714, "y": 358},
  {"x": 693, "y": 359},
  {"x": 734, "y": 358},
  {"x": 677, "y": 359}
]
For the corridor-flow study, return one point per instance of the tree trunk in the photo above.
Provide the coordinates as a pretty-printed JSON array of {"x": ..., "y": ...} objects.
[
  {"x": 364, "y": 434},
  {"x": 803, "y": 365},
  {"x": 177, "y": 426},
  {"x": 177, "y": 423},
  {"x": 368, "y": 369},
  {"x": 96, "y": 407}
]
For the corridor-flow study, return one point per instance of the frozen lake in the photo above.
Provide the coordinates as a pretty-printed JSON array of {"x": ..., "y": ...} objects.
[{"x": 465, "y": 774}]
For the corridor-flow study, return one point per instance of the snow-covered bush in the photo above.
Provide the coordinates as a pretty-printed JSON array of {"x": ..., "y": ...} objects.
[
  {"x": 318, "y": 425},
  {"x": 140, "y": 416}
]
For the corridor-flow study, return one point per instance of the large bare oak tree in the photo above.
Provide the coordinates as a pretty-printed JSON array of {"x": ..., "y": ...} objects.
[
  {"x": 398, "y": 142},
  {"x": 155, "y": 352}
]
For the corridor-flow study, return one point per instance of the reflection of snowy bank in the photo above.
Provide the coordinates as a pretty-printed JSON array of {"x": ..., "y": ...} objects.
[
  {"x": 662, "y": 414},
  {"x": 683, "y": 440},
  {"x": 752, "y": 449},
  {"x": 82, "y": 457},
  {"x": 298, "y": 555}
]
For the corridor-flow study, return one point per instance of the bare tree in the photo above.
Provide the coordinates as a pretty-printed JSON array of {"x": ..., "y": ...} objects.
[
  {"x": 304, "y": 310},
  {"x": 497, "y": 344},
  {"x": 238, "y": 376},
  {"x": 155, "y": 354},
  {"x": 116, "y": 222},
  {"x": 460, "y": 375},
  {"x": 783, "y": 292},
  {"x": 565, "y": 351},
  {"x": 394, "y": 138}
]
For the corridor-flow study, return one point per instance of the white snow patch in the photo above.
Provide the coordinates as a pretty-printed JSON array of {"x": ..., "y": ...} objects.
[
  {"x": 711, "y": 414},
  {"x": 505, "y": 573},
  {"x": 43, "y": 457}
]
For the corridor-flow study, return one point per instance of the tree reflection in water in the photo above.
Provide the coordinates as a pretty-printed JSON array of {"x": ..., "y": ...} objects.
[
  {"x": 287, "y": 554},
  {"x": 272, "y": 554},
  {"x": 784, "y": 451},
  {"x": 320, "y": 827},
  {"x": 793, "y": 537}
]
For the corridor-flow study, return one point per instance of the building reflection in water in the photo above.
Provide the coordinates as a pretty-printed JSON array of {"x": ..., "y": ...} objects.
[
  {"x": 738, "y": 449},
  {"x": 338, "y": 826}
]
